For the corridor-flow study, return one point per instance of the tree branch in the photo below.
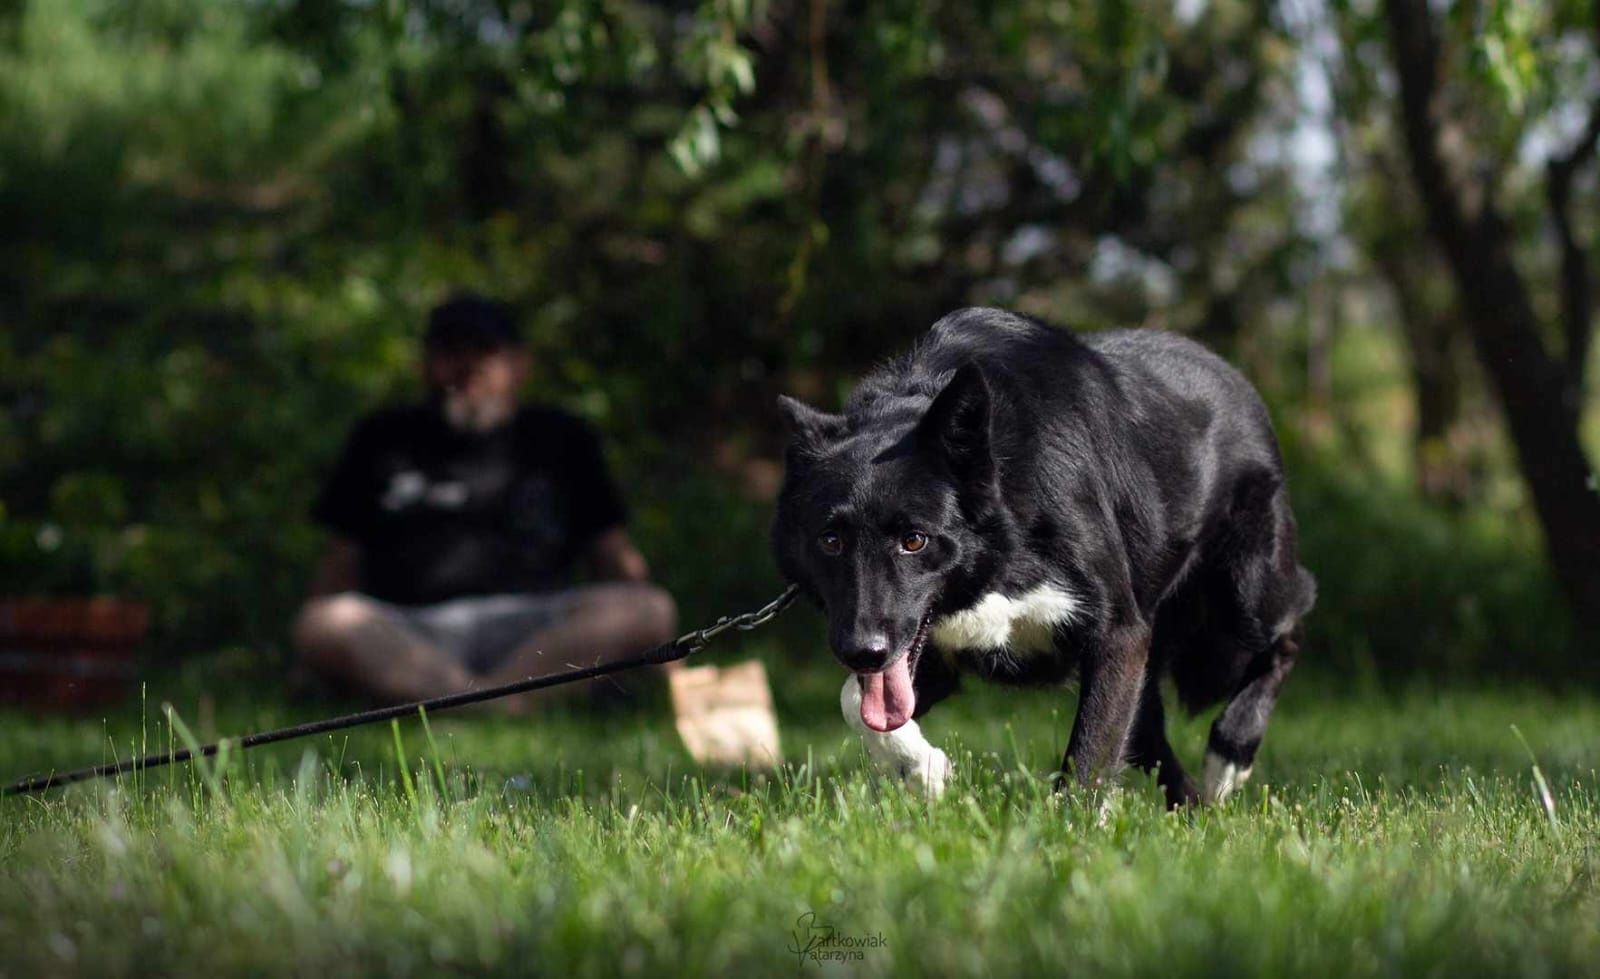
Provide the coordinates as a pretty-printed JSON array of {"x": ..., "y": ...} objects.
[
  {"x": 1416, "y": 62},
  {"x": 1577, "y": 303}
]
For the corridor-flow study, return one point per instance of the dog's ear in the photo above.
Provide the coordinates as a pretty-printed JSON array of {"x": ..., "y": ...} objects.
[
  {"x": 955, "y": 428},
  {"x": 808, "y": 427}
]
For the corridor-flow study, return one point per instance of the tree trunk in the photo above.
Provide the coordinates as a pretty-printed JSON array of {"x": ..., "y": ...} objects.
[
  {"x": 1440, "y": 474},
  {"x": 1430, "y": 336},
  {"x": 1532, "y": 386}
]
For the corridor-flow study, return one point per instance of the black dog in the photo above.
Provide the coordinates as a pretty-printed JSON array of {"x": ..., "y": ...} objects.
[{"x": 1011, "y": 501}]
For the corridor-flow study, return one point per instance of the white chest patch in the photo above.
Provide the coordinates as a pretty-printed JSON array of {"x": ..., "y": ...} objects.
[{"x": 1022, "y": 623}]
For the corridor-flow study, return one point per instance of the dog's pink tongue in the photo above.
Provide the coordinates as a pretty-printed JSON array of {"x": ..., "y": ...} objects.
[{"x": 887, "y": 699}]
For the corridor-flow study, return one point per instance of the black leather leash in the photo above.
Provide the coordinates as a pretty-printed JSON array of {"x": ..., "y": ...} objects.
[{"x": 665, "y": 653}]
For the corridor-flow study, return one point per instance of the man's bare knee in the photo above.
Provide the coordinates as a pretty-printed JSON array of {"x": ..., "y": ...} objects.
[
  {"x": 644, "y": 611},
  {"x": 658, "y": 613},
  {"x": 649, "y": 611},
  {"x": 324, "y": 626}
]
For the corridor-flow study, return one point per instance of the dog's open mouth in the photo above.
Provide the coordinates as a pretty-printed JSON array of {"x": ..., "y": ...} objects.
[{"x": 887, "y": 697}]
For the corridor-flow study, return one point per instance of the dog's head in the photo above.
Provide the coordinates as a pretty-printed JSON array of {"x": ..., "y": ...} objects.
[{"x": 874, "y": 520}]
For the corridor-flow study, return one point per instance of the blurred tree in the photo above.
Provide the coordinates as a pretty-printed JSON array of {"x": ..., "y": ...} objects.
[
  {"x": 1463, "y": 130},
  {"x": 1383, "y": 219}
]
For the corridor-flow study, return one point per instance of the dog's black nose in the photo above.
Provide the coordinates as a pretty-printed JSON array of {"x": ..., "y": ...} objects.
[{"x": 868, "y": 653}]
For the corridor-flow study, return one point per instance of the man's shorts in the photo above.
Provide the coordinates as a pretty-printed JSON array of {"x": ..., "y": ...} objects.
[{"x": 482, "y": 631}]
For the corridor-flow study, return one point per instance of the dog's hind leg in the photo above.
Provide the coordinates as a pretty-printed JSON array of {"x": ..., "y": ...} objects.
[
  {"x": 1236, "y": 735},
  {"x": 1149, "y": 750},
  {"x": 903, "y": 753}
]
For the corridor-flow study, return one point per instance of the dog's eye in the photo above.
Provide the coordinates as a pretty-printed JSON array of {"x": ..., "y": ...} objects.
[
  {"x": 831, "y": 543},
  {"x": 913, "y": 542}
]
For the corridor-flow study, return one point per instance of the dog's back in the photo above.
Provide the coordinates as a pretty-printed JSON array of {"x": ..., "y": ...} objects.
[
  {"x": 1043, "y": 375},
  {"x": 1170, "y": 435}
]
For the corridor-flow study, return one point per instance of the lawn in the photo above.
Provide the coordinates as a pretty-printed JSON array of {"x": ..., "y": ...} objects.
[{"x": 1398, "y": 832}]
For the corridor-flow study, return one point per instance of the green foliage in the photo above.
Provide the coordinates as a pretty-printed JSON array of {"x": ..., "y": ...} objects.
[
  {"x": 231, "y": 218},
  {"x": 1405, "y": 588},
  {"x": 713, "y": 55}
]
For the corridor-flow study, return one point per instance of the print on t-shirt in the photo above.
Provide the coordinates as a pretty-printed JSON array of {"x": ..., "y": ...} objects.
[{"x": 409, "y": 487}]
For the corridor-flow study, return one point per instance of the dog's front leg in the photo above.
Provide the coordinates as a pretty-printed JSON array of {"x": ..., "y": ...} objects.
[
  {"x": 1111, "y": 678},
  {"x": 903, "y": 752}
]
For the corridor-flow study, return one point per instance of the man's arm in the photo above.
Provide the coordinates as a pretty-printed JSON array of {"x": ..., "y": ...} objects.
[
  {"x": 612, "y": 557},
  {"x": 339, "y": 570}
]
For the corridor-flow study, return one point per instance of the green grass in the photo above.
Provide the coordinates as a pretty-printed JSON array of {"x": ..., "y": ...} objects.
[{"x": 1396, "y": 833}]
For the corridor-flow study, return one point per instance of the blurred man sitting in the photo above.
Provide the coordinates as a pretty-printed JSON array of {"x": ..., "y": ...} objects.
[{"x": 457, "y": 526}]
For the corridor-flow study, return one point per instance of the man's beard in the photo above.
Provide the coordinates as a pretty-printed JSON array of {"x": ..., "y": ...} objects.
[{"x": 465, "y": 414}]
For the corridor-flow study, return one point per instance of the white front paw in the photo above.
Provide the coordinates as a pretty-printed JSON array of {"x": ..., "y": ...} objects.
[
  {"x": 903, "y": 752},
  {"x": 932, "y": 775}
]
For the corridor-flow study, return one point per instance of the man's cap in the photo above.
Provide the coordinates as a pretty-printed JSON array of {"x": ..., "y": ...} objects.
[{"x": 468, "y": 321}]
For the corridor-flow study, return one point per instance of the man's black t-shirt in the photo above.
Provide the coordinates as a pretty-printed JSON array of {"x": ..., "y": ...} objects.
[{"x": 440, "y": 513}]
